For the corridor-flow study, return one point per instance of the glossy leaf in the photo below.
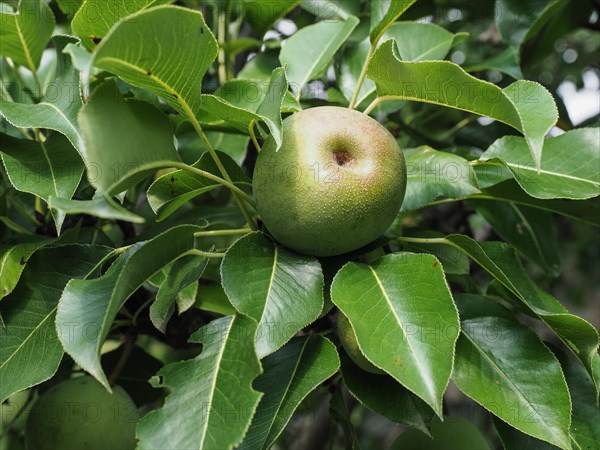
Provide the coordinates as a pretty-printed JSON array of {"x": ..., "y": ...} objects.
[
  {"x": 290, "y": 374},
  {"x": 96, "y": 17},
  {"x": 513, "y": 439},
  {"x": 501, "y": 261},
  {"x": 564, "y": 173},
  {"x": 384, "y": 395},
  {"x": 50, "y": 168},
  {"x": 307, "y": 53},
  {"x": 454, "y": 262},
  {"x": 166, "y": 49},
  {"x": 263, "y": 15},
  {"x": 110, "y": 124},
  {"x": 384, "y": 13},
  {"x": 587, "y": 211},
  {"x": 209, "y": 388},
  {"x": 524, "y": 105},
  {"x": 396, "y": 329},
  {"x": 417, "y": 41},
  {"x": 174, "y": 189},
  {"x": 280, "y": 289},
  {"x": 432, "y": 174},
  {"x": 93, "y": 304},
  {"x": 531, "y": 232},
  {"x": 499, "y": 363},
  {"x": 25, "y": 33},
  {"x": 240, "y": 103},
  {"x": 14, "y": 258},
  {"x": 100, "y": 206},
  {"x": 183, "y": 272},
  {"x": 30, "y": 350},
  {"x": 212, "y": 298},
  {"x": 452, "y": 434},
  {"x": 61, "y": 102}
]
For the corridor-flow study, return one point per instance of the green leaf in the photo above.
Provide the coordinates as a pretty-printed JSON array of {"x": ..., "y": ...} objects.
[
  {"x": 171, "y": 191},
  {"x": 384, "y": 13},
  {"x": 340, "y": 413},
  {"x": 500, "y": 260},
  {"x": 585, "y": 432},
  {"x": 349, "y": 68},
  {"x": 507, "y": 62},
  {"x": 110, "y": 124},
  {"x": 587, "y": 211},
  {"x": 530, "y": 231},
  {"x": 263, "y": 15},
  {"x": 96, "y": 17},
  {"x": 524, "y": 105},
  {"x": 569, "y": 165},
  {"x": 30, "y": 350},
  {"x": 280, "y": 289},
  {"x": 383, "y": 395},
  {"x": 13, "y": 260},
  {"x": 50, "y": 168},
  {"x": 419, "y": 41},
  {"x": 184, "y": 272},
  {"x": 93, "y": 304},
  {"x": 454, "y": 262},
  {"x": 396, "y": 330},
  {"x": 452, "y": 434},
  {"x": 290, "y": 374},
  {"x": 135, "y": 374},
  {"x": 513, "y": 439},
  {"x": 518, "y": 21},
  {"x": 212, "y": 297},
  {"x": 100, "y": 206},
  {"x": 166, "y": 49},
  {"x": 62, "y": 101},
  {"x": 499, "y": 364},
  {"x": 69, "y": 7},
  {"x": 210, "y": 388},
  {"x": 307, "y": 53},
  {"x": 240, "y": 103},
  {"x": 25, "y": 33},
  {"x": 432, "y": 174}
]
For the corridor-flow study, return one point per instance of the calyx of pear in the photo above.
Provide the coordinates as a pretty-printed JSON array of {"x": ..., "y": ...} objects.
[{"x": 335, "y": 185}]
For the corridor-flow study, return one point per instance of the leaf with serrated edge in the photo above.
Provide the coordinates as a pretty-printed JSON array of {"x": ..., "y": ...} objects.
[
  {"x": 45, "y": 169},
  {"x": 280, "y": 289},
  {"x": 96, "y": 17},
  {"x": 30, "y": 350},
  {"x": 211, "y": 389},
  {"x": 290, "y": 374},
  {"x": 103, "y": 207},
  {"x": 307, "y": 53},
  {"x": 166, "y": 49},
  {"x": 140, "y": 128},
  {"x": 563, "y": 173},
  {"x": 384, "y": 395},
  {"x": 397, "y": 307},
  {"x": 431, "y": 174},
  {"x": 25, "y": 33},
  {"x": 384, "y": 13},
  {"x": 58, "y": 109},
  {"x": 92, "y": 305},
  {"x": 13, "y": 260},
  {"x": 500, "y": 260},
  {"x": 524, "y": 105},
  {"x": 499, "y": 364},
  {"x": 185, "y": 271}
]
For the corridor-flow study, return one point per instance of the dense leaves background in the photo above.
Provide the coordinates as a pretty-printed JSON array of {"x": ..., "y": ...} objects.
[{"x": 131, "y": 248}]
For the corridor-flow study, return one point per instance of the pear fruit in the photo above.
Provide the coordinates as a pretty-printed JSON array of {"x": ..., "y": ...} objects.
[
  {"x": 335, "y": 185},
  {"x": 350, "y": 344},
  {"x": 79, "y": 414}
]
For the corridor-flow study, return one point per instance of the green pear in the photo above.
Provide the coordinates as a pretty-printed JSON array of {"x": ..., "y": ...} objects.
[
  {"x": 350, "y": 344},
  {"x": 79, "y": 414},
  {"x": 335, "y": 185}
]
